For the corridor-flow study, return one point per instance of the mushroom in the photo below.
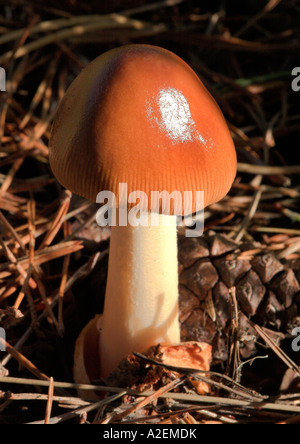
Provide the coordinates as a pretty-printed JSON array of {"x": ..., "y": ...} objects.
[{"x": 138, "y": 120}]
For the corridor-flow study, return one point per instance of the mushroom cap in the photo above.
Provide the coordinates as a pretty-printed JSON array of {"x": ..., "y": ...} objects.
[{"x": 139, "y": 115}]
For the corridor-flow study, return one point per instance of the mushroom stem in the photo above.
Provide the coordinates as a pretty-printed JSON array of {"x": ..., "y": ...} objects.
[{"x": 141, "y": 301}]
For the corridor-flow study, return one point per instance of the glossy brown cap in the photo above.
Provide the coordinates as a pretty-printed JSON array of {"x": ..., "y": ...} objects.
[{"x": 139, "y": 115}]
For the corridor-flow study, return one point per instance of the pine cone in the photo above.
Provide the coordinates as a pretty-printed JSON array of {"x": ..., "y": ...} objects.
[{"x": 267, "y": 291}]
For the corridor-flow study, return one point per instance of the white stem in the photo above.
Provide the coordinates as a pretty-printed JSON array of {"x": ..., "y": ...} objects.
[{"x": 141, "y": 301}]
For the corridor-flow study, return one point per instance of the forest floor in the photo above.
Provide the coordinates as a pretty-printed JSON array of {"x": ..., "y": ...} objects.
[{"x": 53, "y": 260}]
